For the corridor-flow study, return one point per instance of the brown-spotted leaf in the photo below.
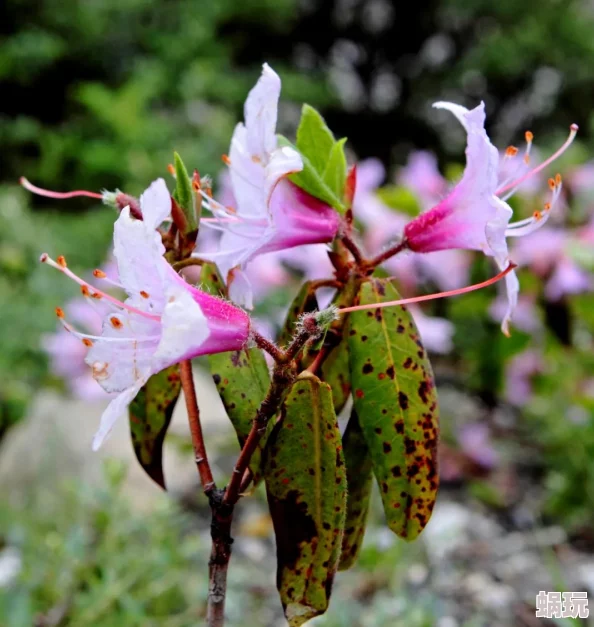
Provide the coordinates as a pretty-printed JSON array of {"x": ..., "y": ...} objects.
[
  {"x": 395, "y": 399},
  {"x": 359, "y": 470},
  {"x": 335, "y": 372},
  {"x": 306, "y": 485},
  {"x": 242, "y": 380},
  {"x": 150, "y": 414},
  {"x": 304, "y": 302}
]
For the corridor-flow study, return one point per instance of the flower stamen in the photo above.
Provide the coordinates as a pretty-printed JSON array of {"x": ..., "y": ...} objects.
[
  {"x": 573, "y": 129},
  {"x": 418, "y": 299},
  {"x": 60, "y": 265},
  {"x": 59, "y": 195}
]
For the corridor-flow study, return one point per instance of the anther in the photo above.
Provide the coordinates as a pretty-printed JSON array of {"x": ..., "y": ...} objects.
[
  {"x": 511, "y": 151},
  {"x": 60, "y": 312},
  {"x": 557, "y": 179},
  {"x": 61, "y": 261},
  {"x": 144, "y": 294},
  {"x": 99, "y": 274},
  {"x": 552, "y": 185},
  {"x": 537, "y": 215},
  {"x": 529, "y": 135},
  {"x": 171, "y": 169},
  {"x": 87, "y": 342},
  {"x": 116, "y": 323},
  {"x": 85, "y": 291},
  {"x": 547, "y": 206},
  {"x": 226, "y": 160}
]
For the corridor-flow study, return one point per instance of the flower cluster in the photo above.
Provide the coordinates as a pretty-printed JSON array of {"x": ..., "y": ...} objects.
[{"x": 262, "y": 228}]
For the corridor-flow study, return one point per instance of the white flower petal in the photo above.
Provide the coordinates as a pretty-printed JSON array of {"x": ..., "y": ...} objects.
[
  {"x": 184, "y": 328},
  {"x": 114, "y": 410},
  {"x": 141, "y": 266},
  {"x": 260, "y": 112},
  {"x": 155, "y": 204},
  {"x": 123, "y": 356},
  {"x": 283, "y": 161}
]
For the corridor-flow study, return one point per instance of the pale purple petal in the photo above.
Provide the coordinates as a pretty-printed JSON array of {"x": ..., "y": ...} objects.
[{"x": 240, "y": 288}]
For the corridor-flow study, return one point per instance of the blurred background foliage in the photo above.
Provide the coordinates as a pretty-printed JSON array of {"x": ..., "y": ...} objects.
[{"x": 97, "y": 94}]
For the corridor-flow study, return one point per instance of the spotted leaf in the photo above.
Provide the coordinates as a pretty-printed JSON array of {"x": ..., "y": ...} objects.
[
  {"x": 359, "y": 483},
  {"x": 335, "y": 372},
  {"x": 242, "y": 380},
  {"x": 306, "y": 486},
  {"x": 394, "y": 396},
  {"x": 150, "y": 414}
]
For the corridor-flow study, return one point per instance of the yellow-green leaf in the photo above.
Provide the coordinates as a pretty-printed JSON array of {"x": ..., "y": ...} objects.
[
  {"x": 149, "y": 415},
  {"x": 359, "y": 482},
  {"x": 335, "y": 372},
  {"x": 395, "y": 399},
  {"x": 306, "y": 485}
]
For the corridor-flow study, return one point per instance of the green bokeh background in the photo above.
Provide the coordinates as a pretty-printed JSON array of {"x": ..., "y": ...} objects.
[{"x": 98, "y": 94}]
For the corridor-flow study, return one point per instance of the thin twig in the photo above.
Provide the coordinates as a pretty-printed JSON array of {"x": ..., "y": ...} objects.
[
  {"x": 204, "y": 471},
  {"x": 387, "y": 254},
  {"x": 355, "y": 251}
]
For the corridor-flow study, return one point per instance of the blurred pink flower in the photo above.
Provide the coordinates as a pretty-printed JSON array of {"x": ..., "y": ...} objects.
[
  {"x": 547, "y": 255},
  {"x": 518, "y": 376},
  {"x": 435, "y": 332},
  {"x": 475, "y": 442},
  {"x": 67, "y": 353},
  {"x": 422, "y": 176}
]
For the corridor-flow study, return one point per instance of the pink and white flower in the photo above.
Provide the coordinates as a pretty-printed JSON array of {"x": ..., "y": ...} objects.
[
  {"x": 163, "y": 321},
  {"x": 475, "y": 214},
  {"x": 271, "y": 214}
]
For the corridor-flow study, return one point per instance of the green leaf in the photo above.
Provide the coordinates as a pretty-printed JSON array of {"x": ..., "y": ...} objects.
[
  {"x": 395, "y": 399},
  {"x": 335, "y": 372},
  {"x": 242, "y": 380},
  {"x": 306, "y": 486},
  {"x": 314, "y": 139},
  {"x": 304, "y": 302},
  {"x": 324, "y": 161},
  {"x": 184, "y": 195},
  {"x": 150, "y": 414},
  {"x": 359, "y": 479},
  {"x": 335, "y": 171},
  {"x": 400, "y": 199}
]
